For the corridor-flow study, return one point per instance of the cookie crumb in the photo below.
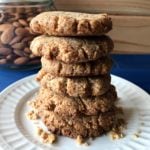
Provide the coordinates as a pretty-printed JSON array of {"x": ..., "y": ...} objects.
[
  {"x": 29, "y": 103},
  {"x": 116, "y": 135},
  {"x": 86, "y": 144},
  {"x": 32, "y": 115},
  {"x": 137, "y": 134},
  {"x": 39, "y": 131},
  {"x": 80, "y": 140},
  {"x": 32, "y": 104},
  {"x": 46, "y": 137},
  {"x": 51, "y": 138},
  {"x": 117, "y": 130}
]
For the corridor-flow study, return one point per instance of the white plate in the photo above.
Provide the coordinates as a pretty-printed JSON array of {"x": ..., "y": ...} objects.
[{"x": 17, "y": 133}]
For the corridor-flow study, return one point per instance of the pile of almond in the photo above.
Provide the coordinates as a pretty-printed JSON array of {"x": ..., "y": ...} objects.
[{"x": 15, "y": 36}]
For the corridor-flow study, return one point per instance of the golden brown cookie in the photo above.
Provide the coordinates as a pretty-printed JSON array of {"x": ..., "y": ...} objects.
[
  {"x": 84, "y": 126},
  {"x": 93, "y": 68},
  {"x": 75, "y": 86},
  {"x": 70, "y": 49},
  {"x": 47, "y": 101},
  {"x": 61, "y": 23}
]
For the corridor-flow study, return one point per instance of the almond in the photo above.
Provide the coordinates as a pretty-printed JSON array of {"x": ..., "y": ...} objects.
[
  {"x": 15, "y": 40},
  {"x": 16, "y": 24},
  {"x": 4, "y": 27},
  {"x": 23, "y": 22},
  {"x": 3, "y": 61},
  {"x": 11, "y": 57},
  {"x": 21, "y": 60},
  {"x": 35, "y": 61},
  {"x": 18, "y": 46},
  {"x": 5, "y": 51},
  {"x": 21, "y": 32},
  {"x": 27, "y": 50},
  {"x": 29, "y": 19},
  {"x": 7, "y": 35},
  {"x": 26, "y": 39},
  {"x": 18, "y": 52}
]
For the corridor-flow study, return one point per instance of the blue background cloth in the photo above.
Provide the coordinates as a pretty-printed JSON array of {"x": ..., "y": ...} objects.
[
  {"x": 9, "y": 76},
  {"x": 135, "y": 68}
]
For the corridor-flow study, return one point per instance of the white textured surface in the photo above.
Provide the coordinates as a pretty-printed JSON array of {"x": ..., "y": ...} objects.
[{"x": 17, "y": 133}]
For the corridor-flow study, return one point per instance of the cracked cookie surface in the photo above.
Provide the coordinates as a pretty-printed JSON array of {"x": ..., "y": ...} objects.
[
  {"x": 93, "y": 68},
  {"x": 85, "y": 126},
  {"x": 47, "y": 101},
  {"x": 61, "y": 23},
  {"x": 75, "y": 86},
  {"x": 70, "y": 49}
]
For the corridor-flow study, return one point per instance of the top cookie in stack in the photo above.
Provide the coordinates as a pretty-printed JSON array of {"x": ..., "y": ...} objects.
[
  {"x": 60, "y": 23},
  {"x": 76, "y": 97}
]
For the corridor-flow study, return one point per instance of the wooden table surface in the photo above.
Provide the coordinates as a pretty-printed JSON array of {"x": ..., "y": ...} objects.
[{"x": 131, "y": 21}]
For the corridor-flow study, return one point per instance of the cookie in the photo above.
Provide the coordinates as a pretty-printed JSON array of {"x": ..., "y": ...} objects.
[
  {"x": 72, "y": 50},
  {"x": 61, "y": 23},
  {"x": 57, "y": 68},
  {"x": 75, "y": 86},
  {"x": 84, "y": 126},
  {"x": 47, "y": 101}
]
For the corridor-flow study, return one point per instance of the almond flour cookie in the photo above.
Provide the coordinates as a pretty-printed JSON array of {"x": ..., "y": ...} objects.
[
  {"x": 61, "y": 23},
  {"x": 84, "y": 126},
  {"x": 57, "y": 68},
  {"x": 47, "y": 101},
  {"x": 72, "y": 50},
  {"x": 75, "y": 86}
]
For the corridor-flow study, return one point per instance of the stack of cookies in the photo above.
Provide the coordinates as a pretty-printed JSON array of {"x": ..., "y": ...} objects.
[{"x": 76, "y": 97}]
